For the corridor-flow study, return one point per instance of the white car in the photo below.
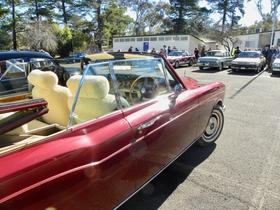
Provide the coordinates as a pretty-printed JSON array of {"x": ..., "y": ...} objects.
[
  {"x": 276, "y": 65},
  {"x": 249, "y": 60}
]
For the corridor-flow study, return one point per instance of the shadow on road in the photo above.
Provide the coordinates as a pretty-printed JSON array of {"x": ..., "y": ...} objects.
[
  {"x": 156, "y": 192},
  {"x": 245, "y": 85},
  {"x": 209, "y": 70},
  {"x": 243, "y": 73}
]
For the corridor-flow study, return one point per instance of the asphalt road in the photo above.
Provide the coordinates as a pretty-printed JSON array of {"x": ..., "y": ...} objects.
[{"x": 242, "y": 170}]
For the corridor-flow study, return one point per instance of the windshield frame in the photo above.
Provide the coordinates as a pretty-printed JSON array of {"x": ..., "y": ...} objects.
[{"x": 111, "y": 69}]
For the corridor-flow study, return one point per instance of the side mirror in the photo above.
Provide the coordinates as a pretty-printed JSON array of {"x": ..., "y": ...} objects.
[{"x": 177, "y": 90}]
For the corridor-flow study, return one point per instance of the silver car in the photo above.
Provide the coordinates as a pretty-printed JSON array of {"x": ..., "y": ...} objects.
[
  {"x": 276, "y": 65},
  {"x": 249, "y": 60},
  {"x": 215, "y": 59}
]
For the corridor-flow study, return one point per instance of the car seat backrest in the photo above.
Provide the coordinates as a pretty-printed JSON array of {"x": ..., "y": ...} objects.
[
  {"x": 94, "y": 99},
  {"x": 46, "y": 86}
]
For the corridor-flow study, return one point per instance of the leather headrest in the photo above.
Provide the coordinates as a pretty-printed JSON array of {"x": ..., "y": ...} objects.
[
  {"x": 94, "y": 86},
  {"x": 43, "y": 79}
]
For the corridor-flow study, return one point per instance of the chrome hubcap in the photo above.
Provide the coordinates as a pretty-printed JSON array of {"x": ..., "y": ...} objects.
[{"x": 212, "y": 125}]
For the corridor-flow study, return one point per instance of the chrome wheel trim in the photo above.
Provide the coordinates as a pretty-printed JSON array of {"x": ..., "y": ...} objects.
[{"x": 214, "y": 127}]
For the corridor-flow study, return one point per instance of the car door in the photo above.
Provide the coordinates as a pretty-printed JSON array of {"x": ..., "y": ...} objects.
[
  {"x": 163, "y": 126},
  {"x": 87, "y": 166}
]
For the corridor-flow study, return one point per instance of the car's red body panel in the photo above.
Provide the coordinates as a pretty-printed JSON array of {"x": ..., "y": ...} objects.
[{"x": 99, "y": 164}]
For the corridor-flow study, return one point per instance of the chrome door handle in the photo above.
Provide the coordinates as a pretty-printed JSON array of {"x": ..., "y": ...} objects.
[{"x": 148, "y": 124}]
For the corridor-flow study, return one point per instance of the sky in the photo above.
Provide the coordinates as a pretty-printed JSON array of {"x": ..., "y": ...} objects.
[{"x": 250, "y": 17}]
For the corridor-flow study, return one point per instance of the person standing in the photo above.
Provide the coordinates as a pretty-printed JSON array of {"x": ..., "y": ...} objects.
[
  {"x": 196, "y": 53},
  {"x": 165, "y": 51},
  {"x": 168, "y": 50},
  {"x": 268, "y": 54},
  {"x": 202, "y": 52},
  {"x": 237, "y": 51}
]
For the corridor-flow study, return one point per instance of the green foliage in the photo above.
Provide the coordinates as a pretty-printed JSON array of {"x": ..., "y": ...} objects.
[
  {"x": 64, "y": 40},
  {"x": 187, "y": 16},
  {"x": 5, "y": 40},
  {"x": 80, "y": 40},
  {"x": 114, "y": 23},
  {"x": 228, "y": 10}
]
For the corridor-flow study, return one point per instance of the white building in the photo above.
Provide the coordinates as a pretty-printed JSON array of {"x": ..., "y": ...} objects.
[
  {"x": 257, "y": 40},
  {"x": 147, "y": 43}
]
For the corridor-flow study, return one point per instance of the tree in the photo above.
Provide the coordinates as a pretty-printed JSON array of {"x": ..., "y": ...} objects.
[
  {"x": 115, "y": 23},
  {"x": 4, "y": 40},
  {"x": 11, "y": 17},
  {"x": 40, "y": 10},
  {"x": 37, "y": 38},
  {"x": 227, "y": 39},
  {"x": 228, "y": 9},
  {"x": 274, "y": 4},
  {"x": 64, "y": 40},
  {"x": 184, "y": 13}
]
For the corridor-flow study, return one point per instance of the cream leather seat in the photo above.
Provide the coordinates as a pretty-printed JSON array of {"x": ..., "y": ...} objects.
[
  {"x": 94, "y": 99},
  {"x": 46, "y": 86}
]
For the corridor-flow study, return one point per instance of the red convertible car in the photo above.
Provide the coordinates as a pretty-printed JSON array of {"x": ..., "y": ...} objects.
[{"x": 95, "y": 142}]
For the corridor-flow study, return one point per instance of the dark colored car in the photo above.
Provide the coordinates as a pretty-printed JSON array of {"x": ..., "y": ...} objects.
[
  {"x": 16, "y": 65},
  {"x": 178, "y": 58},
  {"x": 77, "y": 57},
  {"x": 97, "y": 141},
  {"x": 14, "y": 69}
]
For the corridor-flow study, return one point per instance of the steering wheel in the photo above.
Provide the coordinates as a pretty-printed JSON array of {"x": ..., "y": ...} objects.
[{"x": 142, "y": 87}]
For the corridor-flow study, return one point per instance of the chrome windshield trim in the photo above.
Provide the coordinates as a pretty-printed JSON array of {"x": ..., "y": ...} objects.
[
  {"x": 114, "y": 79},
  {"x": 76, "y": 99}
]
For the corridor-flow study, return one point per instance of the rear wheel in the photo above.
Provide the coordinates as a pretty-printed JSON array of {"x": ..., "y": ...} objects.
[
  {"x": 201, "y": 67},
  {"x": 190, "y": 63},
  {"x": 213, "y": 129}
]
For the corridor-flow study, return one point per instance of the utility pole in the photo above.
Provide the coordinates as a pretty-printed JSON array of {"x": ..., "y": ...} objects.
[{"x": 273, "y": 26}]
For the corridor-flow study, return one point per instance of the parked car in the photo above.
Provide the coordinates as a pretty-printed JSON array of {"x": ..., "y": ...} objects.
[
  {"x": 276, "y": 65},
  {"x": 16, "y": 65},
  {"x": 97, "y": 141},
  {"x": 77, "y": 57},
  {"x": 215, "y": 59},
  {"x": 178, "y": 58},
  {"x": 249, "y": 60},
  {"x": 14, "y": 69}
]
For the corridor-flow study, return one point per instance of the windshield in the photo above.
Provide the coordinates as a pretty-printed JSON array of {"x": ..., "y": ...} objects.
[
  {"x": 215, "y": 54},
  {"x": 127, "y": 82},
  {"x": 175, "y": 53},
  {"x": 249, "y": 55}
]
